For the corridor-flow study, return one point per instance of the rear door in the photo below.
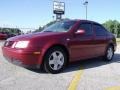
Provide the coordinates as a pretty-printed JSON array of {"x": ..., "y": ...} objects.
[{"x": 100, "y": 39}]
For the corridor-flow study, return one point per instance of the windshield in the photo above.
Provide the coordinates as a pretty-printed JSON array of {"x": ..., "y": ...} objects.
[{"x": 62, "y": 26}]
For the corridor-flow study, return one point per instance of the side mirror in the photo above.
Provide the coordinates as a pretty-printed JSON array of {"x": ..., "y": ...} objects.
[{"x": 80, "y": 32}]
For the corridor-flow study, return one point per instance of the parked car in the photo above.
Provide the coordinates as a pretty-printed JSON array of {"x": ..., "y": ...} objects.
[
  {"x": 9, "y": 34},
  {"x": 3, "y": 36},
  {"x": 59, "y": 44}
]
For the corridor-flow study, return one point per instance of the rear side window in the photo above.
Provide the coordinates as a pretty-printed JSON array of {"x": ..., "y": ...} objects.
[
  {"x": 87, "y": 27},
  {"x": 99, "y": 30}
]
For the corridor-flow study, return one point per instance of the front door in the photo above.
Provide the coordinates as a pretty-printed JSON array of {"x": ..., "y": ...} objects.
[{"x": 82, "y": 46}]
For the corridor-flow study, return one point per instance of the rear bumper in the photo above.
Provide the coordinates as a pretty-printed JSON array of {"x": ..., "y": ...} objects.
[{"x": 22, "y": 58}]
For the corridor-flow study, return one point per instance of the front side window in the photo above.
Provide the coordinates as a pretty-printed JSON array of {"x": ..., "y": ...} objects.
[
  {"x": 87, "y": 27},
  {"x": 62, "y": 26}
]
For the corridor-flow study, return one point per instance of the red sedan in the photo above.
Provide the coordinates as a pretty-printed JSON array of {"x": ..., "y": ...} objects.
[
  {"x": 3, "y": 36},
  {"x": 57, "y": 45}
]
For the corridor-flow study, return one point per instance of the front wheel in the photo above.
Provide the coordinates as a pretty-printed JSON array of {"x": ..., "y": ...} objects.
[
  {"x": 55, "y": 60},
  {"x": 109, "y": 54}
]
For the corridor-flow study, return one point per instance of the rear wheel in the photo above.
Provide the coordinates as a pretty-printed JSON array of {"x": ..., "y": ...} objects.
[
  {"x": 109, "y": 53},
  {"x": 55, "y": 60}
]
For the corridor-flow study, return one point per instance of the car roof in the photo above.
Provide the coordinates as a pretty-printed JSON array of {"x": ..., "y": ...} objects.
[{"x": 83, "y": 20}]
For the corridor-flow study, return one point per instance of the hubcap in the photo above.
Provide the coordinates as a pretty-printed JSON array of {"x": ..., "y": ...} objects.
[
  {"x": 110, "y": 53},
  {"x": 56, "y": 60}
]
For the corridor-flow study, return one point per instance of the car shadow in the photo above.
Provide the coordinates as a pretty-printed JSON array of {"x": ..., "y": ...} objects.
[
  {"x": 91, "y": 63},
  {"x": 85, "y": 64}
]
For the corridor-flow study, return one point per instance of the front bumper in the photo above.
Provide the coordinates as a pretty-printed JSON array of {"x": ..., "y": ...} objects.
[{"x": 22, "y": 58}]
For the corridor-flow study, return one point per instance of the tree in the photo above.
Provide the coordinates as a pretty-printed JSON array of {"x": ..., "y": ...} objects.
[
  {"x": 118, "y": 30},
  {"x": 113, "y": 26},
  {"x": 15, "y": 31}
]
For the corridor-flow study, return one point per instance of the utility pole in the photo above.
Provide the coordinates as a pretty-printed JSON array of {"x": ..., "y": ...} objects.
[
  {"x": 86, "y": 6},
  {"x": 53, "y": 17}
]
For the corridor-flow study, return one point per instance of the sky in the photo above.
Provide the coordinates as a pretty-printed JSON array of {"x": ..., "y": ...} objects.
[{"x": 35, "y": 13}]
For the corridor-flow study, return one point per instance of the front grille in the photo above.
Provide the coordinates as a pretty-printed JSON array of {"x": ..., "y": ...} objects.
[{"x": 9, "y": 43}]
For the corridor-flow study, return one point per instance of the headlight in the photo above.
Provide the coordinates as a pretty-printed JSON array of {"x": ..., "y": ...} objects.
[{"x": 20, "y": 44}]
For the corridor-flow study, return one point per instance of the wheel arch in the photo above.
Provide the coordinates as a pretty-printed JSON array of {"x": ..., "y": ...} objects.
[
  {"x": 111, "y": 44},
  {"x": 57, "y": 45}
]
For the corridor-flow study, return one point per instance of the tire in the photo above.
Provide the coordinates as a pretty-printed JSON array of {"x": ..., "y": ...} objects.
[
  {"x": 109, "y": 54},
  {"x": 55, "y": 60}
]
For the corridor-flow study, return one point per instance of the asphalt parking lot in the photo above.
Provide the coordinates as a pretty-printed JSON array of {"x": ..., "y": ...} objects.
[{"x": 93, "y": 74}]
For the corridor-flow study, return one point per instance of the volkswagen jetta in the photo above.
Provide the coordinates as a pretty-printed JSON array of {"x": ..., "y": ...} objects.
[{"x": 60, "y": 43}]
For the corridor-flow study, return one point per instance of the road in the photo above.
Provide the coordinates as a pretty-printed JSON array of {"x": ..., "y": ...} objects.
[{"x": 93, "y": 74}]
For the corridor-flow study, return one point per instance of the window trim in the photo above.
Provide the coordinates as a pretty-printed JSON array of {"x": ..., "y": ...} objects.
[{"x": 86, "y": 23}]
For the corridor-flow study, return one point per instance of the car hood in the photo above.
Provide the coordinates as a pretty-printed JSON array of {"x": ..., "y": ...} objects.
[{"x": 33, "y": 35}]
